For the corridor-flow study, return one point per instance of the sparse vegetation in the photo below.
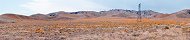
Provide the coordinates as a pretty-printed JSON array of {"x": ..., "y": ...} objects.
[{"x": 95, "y": 28}]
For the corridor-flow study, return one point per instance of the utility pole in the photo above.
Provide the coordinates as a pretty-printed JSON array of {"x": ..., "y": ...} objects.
[{"x": 139, "y": 13}]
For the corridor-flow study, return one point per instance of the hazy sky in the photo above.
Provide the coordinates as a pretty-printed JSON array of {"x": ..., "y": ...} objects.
[{"x": 28, "y": 7}]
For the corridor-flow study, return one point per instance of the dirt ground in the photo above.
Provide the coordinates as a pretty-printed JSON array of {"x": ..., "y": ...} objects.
[{"x": 96, "y": 29}]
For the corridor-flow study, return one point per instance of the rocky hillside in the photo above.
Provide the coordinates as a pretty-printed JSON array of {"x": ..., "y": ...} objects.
[
  {"x": 183, "y": 13},
  {"x": 118, "y": 13},
  {"x": 14, "y": 16}
]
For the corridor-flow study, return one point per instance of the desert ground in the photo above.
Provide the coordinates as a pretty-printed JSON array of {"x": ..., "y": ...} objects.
[
  {"x": 96, "y": 29},
  {"x": 117, "y": 24}
]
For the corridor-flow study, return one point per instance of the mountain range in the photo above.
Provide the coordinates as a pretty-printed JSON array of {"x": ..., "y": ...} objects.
[{"x": 114, "y": 13}]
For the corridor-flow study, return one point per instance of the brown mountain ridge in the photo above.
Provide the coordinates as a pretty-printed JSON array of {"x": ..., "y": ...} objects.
[{"x": 116, "y": 13}]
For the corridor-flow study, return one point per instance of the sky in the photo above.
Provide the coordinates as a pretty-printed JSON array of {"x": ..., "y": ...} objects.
[{"x": 29, "y": 7}]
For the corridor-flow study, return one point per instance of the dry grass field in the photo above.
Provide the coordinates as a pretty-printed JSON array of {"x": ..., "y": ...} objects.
[{"x": 96, "y": 29}]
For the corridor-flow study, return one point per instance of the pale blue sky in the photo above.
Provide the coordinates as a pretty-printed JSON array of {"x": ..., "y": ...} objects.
[{"x": 28, "y": 7}]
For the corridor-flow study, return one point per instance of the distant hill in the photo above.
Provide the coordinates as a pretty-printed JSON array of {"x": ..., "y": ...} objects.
[
  {"x": 39, "y": 17},
  {"x": 15, "y": 16},
  {"x": 7, "y": 20},
  {"x": 116, "y": 13},
  {"x": 183, "y": 13}
]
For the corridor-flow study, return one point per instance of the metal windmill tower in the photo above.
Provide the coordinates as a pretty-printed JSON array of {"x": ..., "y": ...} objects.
[{"x": 139, "y": 13}]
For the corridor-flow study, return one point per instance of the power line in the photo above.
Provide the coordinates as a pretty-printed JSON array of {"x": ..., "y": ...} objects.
[{"x": 139, "y": 18}]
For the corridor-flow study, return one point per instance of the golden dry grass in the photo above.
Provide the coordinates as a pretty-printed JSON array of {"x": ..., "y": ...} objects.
[
  {"x": 98, "y": 22},
  {"x": 95, "y": 26}
]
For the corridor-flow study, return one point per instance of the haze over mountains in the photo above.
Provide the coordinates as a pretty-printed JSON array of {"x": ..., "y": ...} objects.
[{"x": 115, "y": 13}]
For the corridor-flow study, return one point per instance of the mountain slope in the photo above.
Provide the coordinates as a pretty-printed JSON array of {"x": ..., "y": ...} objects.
[
  {"x": 15, "y": 16},
  {"x": 118, "y": 13}
]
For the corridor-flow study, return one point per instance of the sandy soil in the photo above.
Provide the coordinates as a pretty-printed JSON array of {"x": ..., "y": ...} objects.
[{"x": 93, "y": 29}]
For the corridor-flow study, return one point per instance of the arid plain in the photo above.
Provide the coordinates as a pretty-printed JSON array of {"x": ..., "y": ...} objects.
[{"x": 115, "y": 24}]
